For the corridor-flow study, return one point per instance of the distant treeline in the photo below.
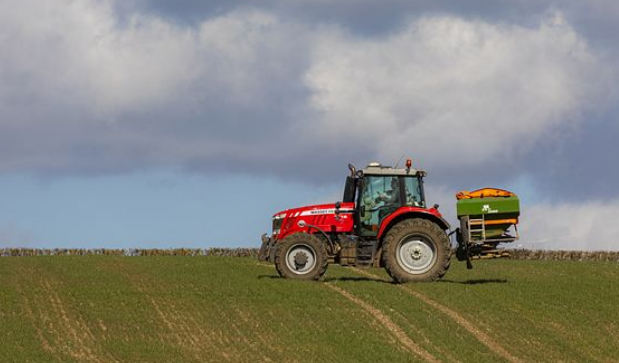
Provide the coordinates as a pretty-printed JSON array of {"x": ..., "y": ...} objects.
[
  {"x": 517, "y": 254},
  {"x": 547, "y": 255},
  {"x": 227, "y": 252}
]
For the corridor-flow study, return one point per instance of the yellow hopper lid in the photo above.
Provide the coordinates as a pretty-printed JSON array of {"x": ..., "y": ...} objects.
[{"x": 484, "y": 193}]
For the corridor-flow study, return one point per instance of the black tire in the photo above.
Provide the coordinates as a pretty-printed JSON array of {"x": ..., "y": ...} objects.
[
  {"x": 301, "y": 256},
  {"x": 416, "y": 250}
]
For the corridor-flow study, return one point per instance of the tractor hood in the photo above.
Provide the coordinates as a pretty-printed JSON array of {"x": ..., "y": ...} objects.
[
  {"x": 312, "y": 210},
  {"x": 313, "y": 218}
]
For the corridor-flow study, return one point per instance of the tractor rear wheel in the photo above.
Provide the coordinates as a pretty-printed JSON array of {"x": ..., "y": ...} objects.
[
  {"x": 301, "y": 256},
  {"x": 416, "y": 250}
]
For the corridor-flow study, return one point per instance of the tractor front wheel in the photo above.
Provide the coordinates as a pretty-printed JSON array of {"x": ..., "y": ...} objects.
[
  {"x": 301, "y": 256},
  {"x": 416, "y": 250}
]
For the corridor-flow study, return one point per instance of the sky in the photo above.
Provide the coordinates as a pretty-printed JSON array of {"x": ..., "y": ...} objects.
[{"x": 158, "y": 124}]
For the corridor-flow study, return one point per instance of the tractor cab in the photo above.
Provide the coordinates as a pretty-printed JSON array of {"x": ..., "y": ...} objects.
[{"x": 379, "y": 191}]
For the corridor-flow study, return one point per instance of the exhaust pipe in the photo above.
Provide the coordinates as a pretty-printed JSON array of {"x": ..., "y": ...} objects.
[{"x": 353, "y": 170}]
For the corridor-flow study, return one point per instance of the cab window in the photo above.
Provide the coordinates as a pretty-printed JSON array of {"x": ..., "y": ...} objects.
[
  {"x": 412, "y": 189},
  {"x": 380, "y": 196}
]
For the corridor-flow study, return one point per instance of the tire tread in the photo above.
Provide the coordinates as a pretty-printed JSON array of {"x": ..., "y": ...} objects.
[
  {"x": 430, "y": 230},
  {"x": 305, "y": 238}
]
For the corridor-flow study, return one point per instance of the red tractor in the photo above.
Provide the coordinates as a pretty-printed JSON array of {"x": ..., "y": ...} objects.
[{"x": 383, "y": 220}]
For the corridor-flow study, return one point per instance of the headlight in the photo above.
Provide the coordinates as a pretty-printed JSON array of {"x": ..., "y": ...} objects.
[{"x": 277, "y": 222}]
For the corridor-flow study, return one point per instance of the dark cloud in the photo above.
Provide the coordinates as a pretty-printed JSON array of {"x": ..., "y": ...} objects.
[
  {"x": 362, "y": 17},
  {"x": 227, "y": 87},
  {"x": 184, "y": 11},
  {"x": 378, "y": 17},
  {"x": 578, "y": 164}
]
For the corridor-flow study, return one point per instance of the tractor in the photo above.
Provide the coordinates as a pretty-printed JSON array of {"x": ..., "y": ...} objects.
[{"x": 383, "y": 221}]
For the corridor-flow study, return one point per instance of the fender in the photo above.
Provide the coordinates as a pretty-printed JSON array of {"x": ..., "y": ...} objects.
[{"x": 431, "y": 214}]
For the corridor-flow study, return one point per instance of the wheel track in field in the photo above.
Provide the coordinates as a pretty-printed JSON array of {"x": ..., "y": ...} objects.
[
  {"x": 387, "y": 323},
  {"x": 177, "y": 329},
  {"x": 183, "y": 330},
  {"x": 30, "y": 314},
  {"x": 185, "y": 327},
  {"x": 69, "y": 333},
  {"x": 481, "y": 336}
]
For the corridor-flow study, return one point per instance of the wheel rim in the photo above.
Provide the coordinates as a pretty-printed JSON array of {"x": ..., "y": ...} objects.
[
  {"x": 301, "y": 259},
  {"x": 416, "y": 254}
]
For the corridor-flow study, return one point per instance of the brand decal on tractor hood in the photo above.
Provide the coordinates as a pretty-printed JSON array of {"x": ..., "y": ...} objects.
[{"x": 323, "y": 211}]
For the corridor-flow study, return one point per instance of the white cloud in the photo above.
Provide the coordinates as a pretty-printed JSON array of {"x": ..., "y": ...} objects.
[
  {"x": 79, "y": 52},
  {"x": 454, "y": 91},
  {"x": 74, "y": 53},
  {"x": 571, "y": 226},
  {"x": 77, "y": 81}
]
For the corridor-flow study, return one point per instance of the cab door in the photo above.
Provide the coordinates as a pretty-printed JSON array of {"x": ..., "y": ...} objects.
[{"x": 379, "y": 196}]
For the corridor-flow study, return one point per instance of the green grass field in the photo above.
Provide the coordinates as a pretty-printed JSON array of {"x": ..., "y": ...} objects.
[{"x": 217, "y": 309}]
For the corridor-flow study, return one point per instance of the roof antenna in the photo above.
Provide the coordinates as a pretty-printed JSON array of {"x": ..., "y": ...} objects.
[{"x": 399, "y": 161}]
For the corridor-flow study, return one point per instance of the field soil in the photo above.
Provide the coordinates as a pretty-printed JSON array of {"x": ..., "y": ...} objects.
[{"x": 235, "y": 309}]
